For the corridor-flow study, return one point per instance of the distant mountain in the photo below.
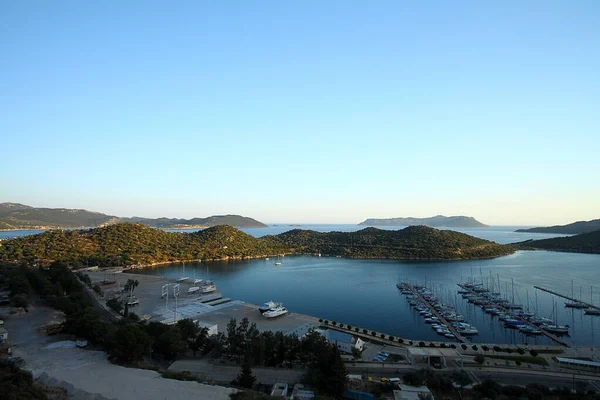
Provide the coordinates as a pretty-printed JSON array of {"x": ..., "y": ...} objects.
[
  {"x": 574, "y": 228},
  {"x": 439, "y": 221},
  {"x": 20, "y": 216},
  {"x": 128, "y": 244},
  {"x": 583, "y": 243}
]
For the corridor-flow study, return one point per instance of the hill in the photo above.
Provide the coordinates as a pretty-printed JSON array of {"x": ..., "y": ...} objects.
[
  {"x": 128, "y": 244},
  {"x": 574, "y": 228},
  {"x": 414, "y": 242},
  {"x": 582, "y": 243},
  {"x": 20, "y": 216},
  {"x": 437, "y": 222}
]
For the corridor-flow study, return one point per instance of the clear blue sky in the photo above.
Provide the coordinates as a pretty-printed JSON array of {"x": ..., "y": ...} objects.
[{"x": 304, "y": 111}]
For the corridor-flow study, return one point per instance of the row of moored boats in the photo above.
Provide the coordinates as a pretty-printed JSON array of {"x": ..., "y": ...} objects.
[{"x": 424, "y": 302}]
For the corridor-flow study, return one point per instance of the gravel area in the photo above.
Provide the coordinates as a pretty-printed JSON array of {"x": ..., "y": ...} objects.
[{"x": 86, "y": 373}]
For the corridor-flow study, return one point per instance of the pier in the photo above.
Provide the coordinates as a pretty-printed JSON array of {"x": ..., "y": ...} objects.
[
  {"x": 520, "y": 318},
  {"x": 589, "y": 305},
  {"x": 435, "y": 312}
]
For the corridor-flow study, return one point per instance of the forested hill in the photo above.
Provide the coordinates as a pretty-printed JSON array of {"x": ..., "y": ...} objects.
[
  {"x": 413, "y": 242},
  {"x": 574, "y": 228},
  {"x": 20, "y": 216},
  {"x": 438, "y": 221},
  {"x": 134, "y": 244},
  {"x": 128, "y": 244},
  {"x": 582, "y": 243}
]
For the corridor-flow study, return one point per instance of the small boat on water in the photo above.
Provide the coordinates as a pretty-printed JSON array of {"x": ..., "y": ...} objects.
[
  {"x": 557, "y": 329},
  {"x": 276, "y": 312},
  {"x": 592, "y": 311},
  {"x": 193, "y": 289},
  {"x": 530, "y": 330},
  {"x": 278, "y": 262},
  {"x": 183, "y": 277},
  {"x": 198, "y": 281}
]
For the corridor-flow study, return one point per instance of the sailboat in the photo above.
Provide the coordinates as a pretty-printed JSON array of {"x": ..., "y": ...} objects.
[
  {"x": 278, "y": 262},
  {"x": 555, "y": 328},
  {"x": 592, "y": 310},
  {"x": 183, "y": 277},
  {"x": 574, "y": 303},
  {"x": 196, "y": 281}
]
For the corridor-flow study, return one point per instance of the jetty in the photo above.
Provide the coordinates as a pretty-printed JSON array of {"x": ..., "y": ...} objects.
[{"x": 589, "y": 305}]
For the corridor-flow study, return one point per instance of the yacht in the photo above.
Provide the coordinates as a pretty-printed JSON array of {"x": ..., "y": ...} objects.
[
  {"x": 198, "y": 281},
  {"x": 558, "y": 329},
  {"x": 592, "y": 311},
  {"x": 575, "y": 304},
  {"x": 193, "y": 289},
  {"x": 530, "y": 330},
  {"x": 278, "y": 262},
  {"x": 275, "y": 312},
  {"x": 267, "y": 306},
  {"x": 208, "y": 287}
]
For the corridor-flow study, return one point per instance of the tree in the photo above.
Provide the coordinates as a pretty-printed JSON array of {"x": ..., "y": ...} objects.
[
  {"x": 130, "y": 285},
  {"x": 356, "y": 353},
  {"x": 188, "y": 328},
  {"x": 19, "y": 301},
  {"x": 479, "y": 359},
  {"x": 170, "y": 344},
  {"x": 533, "y": 353},
  {"x": 201, "y": 340},
  {"x": 461, "y": 377},
  {"x": 130, "y": 343},
  {"x": 245, "y": 379}
]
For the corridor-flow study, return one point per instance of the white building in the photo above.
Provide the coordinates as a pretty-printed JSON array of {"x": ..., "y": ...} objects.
[
  {"x": 212, "y": 328},
  {"x": 407, "y": 392},
  {"x": 343, "y": 341}
]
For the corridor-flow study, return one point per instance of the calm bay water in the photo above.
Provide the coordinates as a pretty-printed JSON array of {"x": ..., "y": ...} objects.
[{"x": 363, "y": 293}]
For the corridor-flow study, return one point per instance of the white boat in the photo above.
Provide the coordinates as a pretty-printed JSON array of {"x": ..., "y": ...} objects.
[
  {"x": 267, "y": 259},
  {"x": 133, "y": 302},
  {"x": 183, "y": 277},
  {"x": 278, "y": 262},
  {"x": 198, "y": 281},
  {"x": 267, "y": 306},
  {"x": 276, "y": 312},
  {"x": 208, "y": 287},
  {"x": 193, "y": 289},
  {"x": 592, "y": 311}
]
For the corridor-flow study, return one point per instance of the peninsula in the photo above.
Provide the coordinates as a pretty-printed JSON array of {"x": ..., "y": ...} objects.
[
  {"x": 20, "y": 216},
  {"x": 583, "y": 243},
  {"x": 574, "y": 228},
  {"x": 439, "y": 221},
  {"x": 135, "y": 244}
]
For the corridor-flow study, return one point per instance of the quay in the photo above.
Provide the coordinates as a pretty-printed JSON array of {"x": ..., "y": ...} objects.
[
  {"x": 457, "y": 335},
  {"x": 589, "y": 305},
  {"x": 520, "y": 318}
]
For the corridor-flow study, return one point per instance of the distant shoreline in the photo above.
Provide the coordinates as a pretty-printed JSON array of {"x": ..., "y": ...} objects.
[{"x": 51, "y": 228}]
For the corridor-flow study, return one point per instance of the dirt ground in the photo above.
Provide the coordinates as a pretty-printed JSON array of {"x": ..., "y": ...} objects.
[{"x": 87, "y": 374}]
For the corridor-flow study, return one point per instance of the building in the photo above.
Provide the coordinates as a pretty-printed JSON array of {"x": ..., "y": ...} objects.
[
  {"x": 3, "y": 334},
  {"x": 350, "y": 394},
  {"x": 343, "y": 341},
  {"x": 408, "y": 392},
  {"x": 301, "y": 392},
  {"x": 578, "y": 364}
]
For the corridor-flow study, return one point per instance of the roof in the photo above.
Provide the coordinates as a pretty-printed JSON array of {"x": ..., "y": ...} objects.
[
  {"x": 433, "y": 351},
  {"x": 409, "y": 388},
  {"x": 583, "y": 363},
  {"x": 339, "y": 336},
  {"x": 2, "y": 330}
]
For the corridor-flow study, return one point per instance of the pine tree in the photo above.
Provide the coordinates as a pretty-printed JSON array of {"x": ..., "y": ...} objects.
[{"x": 245, "y": 379}]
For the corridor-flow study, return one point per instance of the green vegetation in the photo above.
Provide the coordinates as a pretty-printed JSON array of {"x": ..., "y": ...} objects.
[
  {"x": 570, "y": 229},
  {"x": 523, "y": 359},
  {"x": 437, "y": 221},
  {"x": 583, "y": 243},
  {"x": 19, "y": 216},
  {"x": 134, "y": 244},
  {"x": 127, "y": 244},
  {"x": 414, "y": 242},
  {"x": 18, "y": 384}
]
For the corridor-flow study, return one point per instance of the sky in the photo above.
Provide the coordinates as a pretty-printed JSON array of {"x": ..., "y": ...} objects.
[{"x": 303, "y": 112}]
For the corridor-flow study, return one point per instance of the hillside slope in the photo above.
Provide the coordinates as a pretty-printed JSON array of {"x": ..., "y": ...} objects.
[
  {"x": 574, "y": 228},
  {"x": 413, "y": 242},
  {"x": 439, "y": 221},
  {"x": 582, "y": 243},
  {"x": 20, "y": 216},
  {"x": 127, "y": 243}
]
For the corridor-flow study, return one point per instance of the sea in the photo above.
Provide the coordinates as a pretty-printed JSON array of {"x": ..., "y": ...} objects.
[{"x": 363, "y": 293}]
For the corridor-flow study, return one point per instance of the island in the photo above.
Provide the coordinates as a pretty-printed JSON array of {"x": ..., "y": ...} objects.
[
  {"x": 136, "y": 244},
  {"x": 439, "y": 221},
  {"x": 583, "y": 243},
  {"x": 19, "y": 216},
  {"x": 569, "y": 229}
]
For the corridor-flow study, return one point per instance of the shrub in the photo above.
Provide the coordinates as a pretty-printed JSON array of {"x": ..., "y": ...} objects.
[
  {"x": 421, "y": 344},
  {"x": 349, "y": 327},
  {"x": 479, "y": 359},
  {"x": 431, "y": 344},
  {"x": 508, "y": 350},
  {"x": 520, "y": 351},
  {"x": 410, "y": 342},
  {"x": 98, "y": 290},
  {"x": 474, "y": 347},
  {"x": 334, "y": 323},
  {"x": 443, "y": 345},
  {"x": 391, "y": 338},
  {"x": 533, "y": 353},
  {"x": 341, "y": 325},
  {"x": 365, "y": 331},
  {"x": 19, "y": 301},
  {"x": 485, "y": 348},
  {"x": 400, "y": 340},
  {"x": 518, "y": 362},
  {"x": 382, "y": 336},
  {"x": 497, "y": 349},
  {"x": 356, "y": 329},
  {"x": 373, "y": 333},
  {"x": 326, "y": 322},
  {"x": 463, "y": 346},
  {"x": 320, "y": 319},
  {"x": 115, "y": 304},
  {"x": 453, "y": 346}
]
